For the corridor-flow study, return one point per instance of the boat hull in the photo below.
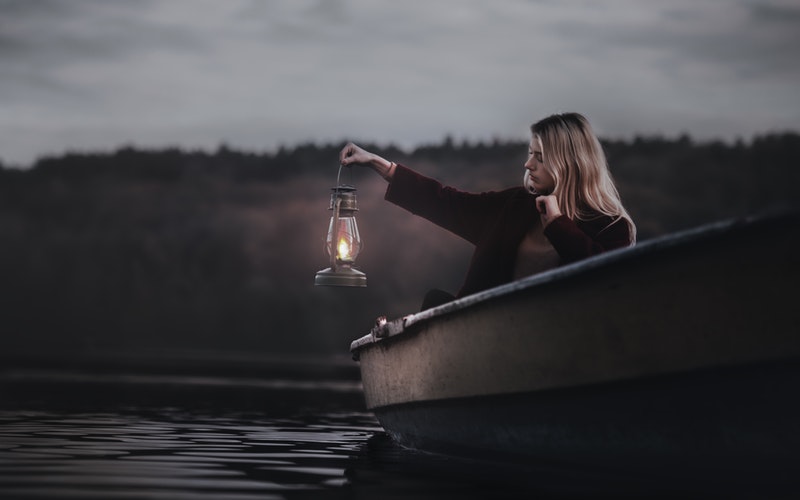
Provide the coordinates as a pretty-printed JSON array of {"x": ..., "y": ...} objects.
[
  {"x": 735, "y": 418},
  {"x": 686, "y": 346}
]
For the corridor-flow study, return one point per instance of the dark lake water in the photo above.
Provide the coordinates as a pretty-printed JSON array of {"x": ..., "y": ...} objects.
[{"x": 289, "y": 429}]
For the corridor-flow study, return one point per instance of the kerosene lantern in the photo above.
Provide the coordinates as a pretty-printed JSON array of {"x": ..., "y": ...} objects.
[{"x": 343, "y": 242}]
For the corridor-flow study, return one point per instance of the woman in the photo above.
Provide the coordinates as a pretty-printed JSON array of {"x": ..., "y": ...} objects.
[{"x": 567, "y": 209}]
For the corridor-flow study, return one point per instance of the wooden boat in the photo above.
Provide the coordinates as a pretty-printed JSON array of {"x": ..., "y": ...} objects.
[{"x": 680, "y": 351}]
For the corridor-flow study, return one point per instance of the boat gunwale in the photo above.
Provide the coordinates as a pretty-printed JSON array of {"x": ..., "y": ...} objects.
[{"x": 697, "y": 235}]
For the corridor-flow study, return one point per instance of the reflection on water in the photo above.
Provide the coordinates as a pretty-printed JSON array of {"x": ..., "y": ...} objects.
[
  {"x": 115, "y": 433},
  {"x": 158, "y": 429},
  {"x": 175, "y": 454},
  {"x": 109, "y": 436}
]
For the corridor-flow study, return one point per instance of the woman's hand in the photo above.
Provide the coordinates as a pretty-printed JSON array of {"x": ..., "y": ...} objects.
[
  {"x": 354, "y": 155},
  {"x": 547, "y": 205}
]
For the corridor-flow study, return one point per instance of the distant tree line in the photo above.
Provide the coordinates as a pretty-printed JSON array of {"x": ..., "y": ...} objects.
[{"x": 168, "y": 249}]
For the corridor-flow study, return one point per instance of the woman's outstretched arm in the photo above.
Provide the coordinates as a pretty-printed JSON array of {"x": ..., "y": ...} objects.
[{"x": 352, "y": 154}]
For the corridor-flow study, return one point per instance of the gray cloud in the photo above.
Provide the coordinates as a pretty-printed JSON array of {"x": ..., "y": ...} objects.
[
  {"x": 746, "y": 40},
  {"x": 88, "y": 74}
]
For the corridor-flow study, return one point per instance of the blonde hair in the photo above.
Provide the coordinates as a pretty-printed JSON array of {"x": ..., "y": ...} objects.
[{"x": 574, "y": 157}]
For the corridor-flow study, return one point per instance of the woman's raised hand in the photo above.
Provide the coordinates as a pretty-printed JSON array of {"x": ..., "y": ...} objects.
[{"x": 353, "y": 154}]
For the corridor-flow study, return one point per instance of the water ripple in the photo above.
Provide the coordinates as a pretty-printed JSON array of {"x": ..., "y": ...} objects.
[{"x": 107, "y": 455}]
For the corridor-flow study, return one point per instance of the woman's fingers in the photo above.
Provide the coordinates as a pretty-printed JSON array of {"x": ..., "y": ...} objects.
[
  {"x": 345, "y": 153},
  {"x": 352, "y": 154}
]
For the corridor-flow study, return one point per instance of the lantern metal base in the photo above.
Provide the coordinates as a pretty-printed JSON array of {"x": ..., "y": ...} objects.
[{"x": 344, "y": 276}]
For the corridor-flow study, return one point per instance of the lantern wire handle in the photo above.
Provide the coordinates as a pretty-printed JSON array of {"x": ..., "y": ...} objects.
[
  {"x": 336, "y": 206},
  {"x": 337, "y": 177},
  {"x": 335, "y": 235}
]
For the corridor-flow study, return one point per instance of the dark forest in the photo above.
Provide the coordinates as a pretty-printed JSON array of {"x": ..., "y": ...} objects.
[{"x": 161, "y": 251}]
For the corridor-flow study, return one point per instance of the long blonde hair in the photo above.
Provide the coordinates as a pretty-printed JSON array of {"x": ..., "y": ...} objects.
[{"x": 574, "y": 157}]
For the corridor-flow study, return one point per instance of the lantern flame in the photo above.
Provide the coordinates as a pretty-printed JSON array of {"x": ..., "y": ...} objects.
[{"x": 344, "y": 250}]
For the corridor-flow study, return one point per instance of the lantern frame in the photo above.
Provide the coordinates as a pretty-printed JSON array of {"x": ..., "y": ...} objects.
[{"x": 343, "y": 201}]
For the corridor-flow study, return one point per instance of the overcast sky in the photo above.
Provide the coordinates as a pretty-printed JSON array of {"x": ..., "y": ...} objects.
[{"x": 93, "y": 75}]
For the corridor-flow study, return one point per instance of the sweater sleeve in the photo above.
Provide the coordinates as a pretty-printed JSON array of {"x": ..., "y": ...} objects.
[
  {"x": 464, "y": 214},
  {"x": 575, "y": 241}
]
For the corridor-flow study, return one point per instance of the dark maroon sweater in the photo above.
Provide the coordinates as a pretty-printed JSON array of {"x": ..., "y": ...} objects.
[{"x": 495, "y": 222}]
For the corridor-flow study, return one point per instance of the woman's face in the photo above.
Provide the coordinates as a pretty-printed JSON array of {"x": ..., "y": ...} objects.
[{"x": 537, "y": 174}]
